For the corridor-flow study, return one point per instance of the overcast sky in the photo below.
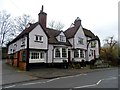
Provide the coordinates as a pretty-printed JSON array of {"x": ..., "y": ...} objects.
[{"x": 99, "y": 16}]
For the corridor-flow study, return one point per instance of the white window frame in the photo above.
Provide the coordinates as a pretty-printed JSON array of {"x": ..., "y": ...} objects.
[
  {"x": 40, "y": 38},
  {"x": 22, "y": 42},
  {"x": 39, "y": 55},
  {"x": 80, "y": 40},
  {"x": 64, "y": 53},
  {"x": 93, "y": 44},
  {"x": 62, "y": 38},
  {"x": 81, "y": 53},
  {"x": 61, "y": 52},
  {"x": 76, "y": 52}
]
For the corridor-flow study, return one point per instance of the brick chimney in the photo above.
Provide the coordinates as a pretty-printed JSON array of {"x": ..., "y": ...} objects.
[
  {"x": 42, "y": 17},
  {"x": 77, "y": 22}
]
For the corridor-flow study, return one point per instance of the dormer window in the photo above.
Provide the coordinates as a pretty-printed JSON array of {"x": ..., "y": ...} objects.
[
  {"x": 38, "y": 38},
  {"x": 80, "y": 40},
  {"x": 62, "y": 38}
]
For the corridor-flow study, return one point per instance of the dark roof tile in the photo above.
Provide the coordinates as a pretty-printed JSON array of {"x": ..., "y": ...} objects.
[
  {"x": 70, "y": 32},
  {"x": 52, "y": 37}
]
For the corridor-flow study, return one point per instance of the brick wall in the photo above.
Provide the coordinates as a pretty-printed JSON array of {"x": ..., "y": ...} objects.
[{"x": 17, "y": 60}]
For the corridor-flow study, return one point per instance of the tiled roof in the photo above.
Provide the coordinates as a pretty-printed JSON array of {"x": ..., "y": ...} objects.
[
  {"x": 24, "y": 32},
  {"x": 51, "y": 33},
  {"x": 70, "y": 32},
  {"x": 52, "y": 37},
  {"x": 88, "y": 33}
]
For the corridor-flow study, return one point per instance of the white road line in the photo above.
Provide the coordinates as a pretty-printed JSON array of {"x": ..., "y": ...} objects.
[
  {"x": 111, "y": 78},
  {"x": 65, "y": 77},
  {"x": 73, "y": 76},
  {"x": 99, "y": 82},
  {"x": 28, "y": 83},
  {"x": 86, "y": 86},
  {"x": 33, "y": 83},
  {"x": 80, "y": 75},
  {"x": 10, "y": 86},
  {"x": 52, "y": 79}
]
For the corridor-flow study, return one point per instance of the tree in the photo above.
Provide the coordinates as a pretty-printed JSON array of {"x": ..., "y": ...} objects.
[
  {"x": 110, "y": 51},
  {"x": 10, "y": 27},
  {"x": 56, "y": 25},
  {"x": 7, "y": 31},
  {"x": 22, "y": 22}
]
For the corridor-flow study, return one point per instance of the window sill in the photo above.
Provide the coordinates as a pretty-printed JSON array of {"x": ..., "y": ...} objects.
[
  {"x": 80, "y": 44},
  {"x": 61, "y": 58},
  {"x": 22, "y": 45}
]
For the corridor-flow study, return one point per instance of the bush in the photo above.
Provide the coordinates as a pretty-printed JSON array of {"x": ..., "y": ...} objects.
[{"x": 75, "y": 66}]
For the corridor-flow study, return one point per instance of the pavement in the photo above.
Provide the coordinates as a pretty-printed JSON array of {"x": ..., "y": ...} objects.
[{"x": 11, "y": 75}]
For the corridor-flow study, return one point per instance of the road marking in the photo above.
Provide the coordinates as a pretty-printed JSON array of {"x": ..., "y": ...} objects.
[
  {"x": 111, "y": 78},
  {"x": 73, "y": 76},
  {"x": 52, "y": 79},
  {"x": 10, "y": 86},
  {"x": 99, "y": 82},
  {"x": 33, "y": 83},
  {"x": 86, "y": 86},
  {"x": 28, "y": 83}
]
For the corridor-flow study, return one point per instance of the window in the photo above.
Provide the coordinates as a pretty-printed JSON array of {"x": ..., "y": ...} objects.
[
  {"x": 64, "y": 52},
  {"x": 81, "y": 54},
  {"x": 41, "y": 55},
  {"x": 23, "y": 56},
  {"x": 22, "y": 42},
  {"x": 76, "y": 53},
  {"x": 38, "y": 38},
  {"x": 11, "y": 50},
  {"x": 92, "y": 52},
  {"x": 93, "y": 44},
  {"x": 57, "y": 52},
  {"x": 80, "y": 40},
  {"x": 35, "y": 55},
  {"x": 62, "y": 38}
]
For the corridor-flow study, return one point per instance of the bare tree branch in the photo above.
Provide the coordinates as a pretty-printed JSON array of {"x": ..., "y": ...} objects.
[
  {"x": 56, "y": 25},
  {"x": 5, "y": 27}
]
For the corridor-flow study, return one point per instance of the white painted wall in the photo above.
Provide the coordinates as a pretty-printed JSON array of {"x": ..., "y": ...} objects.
[
  {"x": 50, "y": 53},
  {"x": 18, "y": 47},
  {"x": 59, "y": 60},
  {"x": 80, "y": 34},
  {"x": 38, "y": 45},
  {"x": 97, "y": 49},
  {"x": 71, "y": 41}
]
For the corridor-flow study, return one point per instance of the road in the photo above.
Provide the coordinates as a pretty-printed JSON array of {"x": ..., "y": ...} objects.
[{"x": 98, "y": 79}]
